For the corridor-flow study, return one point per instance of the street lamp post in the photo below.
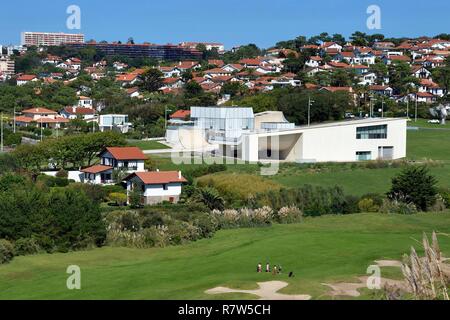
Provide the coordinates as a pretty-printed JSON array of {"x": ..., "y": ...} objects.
[
  {"x": 14, "y": 120},
  {"x": 415, "y": 116},
  {"x": 407, "y": 107},
  {"x": 41, "y": 129},
  {"x": 165, "y": 117},
  {"x": 310, "y": 102},
  {"x": 372, "y": 99}
]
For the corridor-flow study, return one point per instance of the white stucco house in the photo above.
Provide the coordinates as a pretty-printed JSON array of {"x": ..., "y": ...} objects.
[{"x": 156, "y": 187}]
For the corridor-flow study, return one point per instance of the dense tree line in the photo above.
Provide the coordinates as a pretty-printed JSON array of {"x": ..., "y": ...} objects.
[
  {"x": 56, "y": 219},
  {"x": 74, "y": 151}
]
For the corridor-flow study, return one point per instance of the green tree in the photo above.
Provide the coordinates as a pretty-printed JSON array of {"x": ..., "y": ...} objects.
[
  {"x": 415, "y": 185},
  {"x": 152, "y": 80}
]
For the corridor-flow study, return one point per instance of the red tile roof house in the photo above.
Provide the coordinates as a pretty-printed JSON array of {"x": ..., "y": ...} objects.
[
  {"x": 128, "y": 159},
  {"x": 77, "y": 112},
  {"x": 181, "y": 115},
  {"x": 127, "y": 79},
  {"x": 41, "y": 117},
  {"x": 25, "y": 78},
  {"x": 156, "y": 187}
]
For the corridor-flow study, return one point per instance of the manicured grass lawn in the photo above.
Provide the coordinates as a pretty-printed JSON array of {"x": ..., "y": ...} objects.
[
  {"x": 324, "y": 249},
  {"x": 147, "y": 145},
  {"x": 428, "y": 144},
  {"x": 422, "y": 144},
  {"x": 355, "y": 182},
  {"x": 423, "y": 123}
]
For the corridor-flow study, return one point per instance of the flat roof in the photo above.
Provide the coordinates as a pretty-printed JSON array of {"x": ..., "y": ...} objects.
[{"x": 349, "y": 122}]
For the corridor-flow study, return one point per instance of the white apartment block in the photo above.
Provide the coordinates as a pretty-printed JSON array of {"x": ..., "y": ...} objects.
[
  {"x": 7, "y": 66},
  {"x": 49, "y": 38}
]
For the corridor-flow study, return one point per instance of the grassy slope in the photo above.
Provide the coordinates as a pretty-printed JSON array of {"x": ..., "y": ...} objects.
[
  {"x": 422, "y": 144},
  {"x": 319, "y": 250},
  {"x": 147, "y": 145}
]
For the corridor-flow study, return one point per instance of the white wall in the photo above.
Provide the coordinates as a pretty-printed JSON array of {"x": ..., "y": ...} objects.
[
  {"x": 335, "y": 142},
  {"x": 340, "y": 144},
  {"x": 155, "y": 190}
]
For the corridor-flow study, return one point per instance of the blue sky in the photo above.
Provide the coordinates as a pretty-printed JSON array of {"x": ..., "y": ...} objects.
[{"x": 232, "y": 22}]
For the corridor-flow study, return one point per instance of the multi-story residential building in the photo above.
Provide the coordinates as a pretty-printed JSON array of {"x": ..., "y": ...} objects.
[
  {"x": 160, "y": 52},
  {"x": 7, "y": 66},
  {"x": 50, "y": 38}
]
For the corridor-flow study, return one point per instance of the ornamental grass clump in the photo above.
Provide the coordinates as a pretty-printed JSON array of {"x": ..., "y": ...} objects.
[
  {"x": 425, "y": 276},
  {"x": 290, "y": 214}
]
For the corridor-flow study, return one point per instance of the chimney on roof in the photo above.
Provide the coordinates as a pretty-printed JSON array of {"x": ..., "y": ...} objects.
[
  {"x": 74, "y": 109},
  {"x": 157, "y": 170},
  {"x": 179, "y": 174}
]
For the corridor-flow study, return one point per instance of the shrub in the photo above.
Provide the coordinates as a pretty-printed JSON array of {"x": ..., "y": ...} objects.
[
  {"x": 238, "y": 187},
  {"x": 6, "y": 251},
  {"x": 244, "y": 217},
  {"x": 182, "y": 232},
  {"x": 206, "y": 223},
  {"x": 394, "y": 206},
  {"x": 351, "y": 205},
  {"x": 415, "y": 184},
  {"x": 156, "y": 236},
  {"x": 62, "y": 174},
  {"x": 312, "y": 201},
  {"x": 26, "y": 246},
  {"x": 152, "y": 218},
  {"x": 290, "y": 214},
  {"x": 119, "y": 199},
  {"x": 439, "y": 205},
  {"x": 52, "y": 182},
  {"x": 367, "y": 205},
  {"x": 445, "y": 194},
  {"x": 95, "y": 192}
]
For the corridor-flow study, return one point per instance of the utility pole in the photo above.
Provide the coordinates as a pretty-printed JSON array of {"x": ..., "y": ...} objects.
[
  {"x": 310, "y": 102},
  {"x": 407, "y": 107},
  {"x": 382, "y": 108},
  {"x": 415, "y": 117},
  {"x": 41, "y": 129},
  {"x": 165, "y": 117},
  {"x": 14, "y": 120}
]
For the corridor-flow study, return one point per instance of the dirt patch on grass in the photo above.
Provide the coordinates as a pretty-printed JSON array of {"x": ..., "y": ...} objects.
[{"x": 266, "y": 291}]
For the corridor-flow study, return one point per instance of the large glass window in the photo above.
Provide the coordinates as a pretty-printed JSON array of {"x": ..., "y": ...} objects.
[
  {"x": 363, "y": 155},
  {"x": 372, "y": 132}
]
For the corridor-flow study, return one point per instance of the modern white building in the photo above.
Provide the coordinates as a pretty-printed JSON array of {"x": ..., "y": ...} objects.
[
  {"x": 114, "y": 122},
  {"x": 347, "y": 141},
  {"x": 268, "y": 136}
]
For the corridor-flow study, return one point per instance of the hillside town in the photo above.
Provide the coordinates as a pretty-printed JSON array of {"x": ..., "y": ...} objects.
[
  {"x": 312, "y": 154},
  {"x": 407, "y": 70}
]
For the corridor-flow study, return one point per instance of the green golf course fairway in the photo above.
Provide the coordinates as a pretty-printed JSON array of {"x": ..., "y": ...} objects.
[{"x": 323, "y": 249}]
